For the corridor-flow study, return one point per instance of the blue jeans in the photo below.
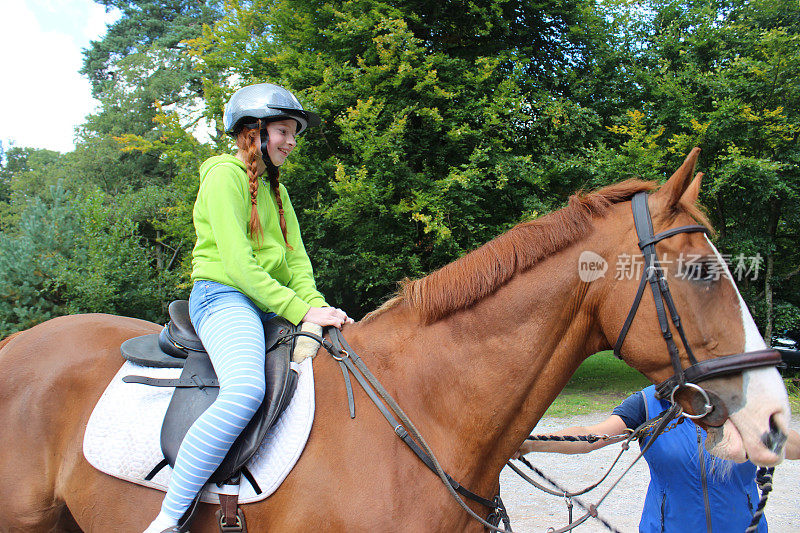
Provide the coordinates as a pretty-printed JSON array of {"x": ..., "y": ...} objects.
[{"x": 209, "y": 297}]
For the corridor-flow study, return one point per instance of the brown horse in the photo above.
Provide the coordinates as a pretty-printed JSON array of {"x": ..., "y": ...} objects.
[{"x": 474, "y": 353}]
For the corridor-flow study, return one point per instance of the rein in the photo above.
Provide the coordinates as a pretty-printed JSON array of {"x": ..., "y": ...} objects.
[{"x": 350, "y": 362}]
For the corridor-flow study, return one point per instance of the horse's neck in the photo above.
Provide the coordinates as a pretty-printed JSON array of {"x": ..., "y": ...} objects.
[{"x": 476, "y": 382}]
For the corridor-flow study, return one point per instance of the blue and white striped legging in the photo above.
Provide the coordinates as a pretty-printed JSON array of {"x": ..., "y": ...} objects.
[{"x": 232, "y": 331}]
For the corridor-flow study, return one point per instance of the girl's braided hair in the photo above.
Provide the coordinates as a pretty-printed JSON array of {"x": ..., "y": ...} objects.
[{"x": 246, "y": 140}]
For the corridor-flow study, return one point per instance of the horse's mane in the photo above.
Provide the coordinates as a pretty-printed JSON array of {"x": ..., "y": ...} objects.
[{"x": 483, "y": 270}]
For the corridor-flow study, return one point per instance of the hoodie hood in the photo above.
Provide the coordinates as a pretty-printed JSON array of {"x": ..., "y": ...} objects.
[{"x": 209, "y": 163}]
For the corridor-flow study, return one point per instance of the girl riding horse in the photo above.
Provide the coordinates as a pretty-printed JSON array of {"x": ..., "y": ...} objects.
[{"x": 248, "y": 264}]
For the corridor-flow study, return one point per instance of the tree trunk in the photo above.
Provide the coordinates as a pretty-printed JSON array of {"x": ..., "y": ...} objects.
[
  {"x": 721, "y": 210},
  {"x": 159, "y": 252},
  {"x": 774, "y": 216}
]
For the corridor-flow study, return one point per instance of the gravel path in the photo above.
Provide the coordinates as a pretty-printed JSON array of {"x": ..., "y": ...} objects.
[{"x": 534, "y": 511}]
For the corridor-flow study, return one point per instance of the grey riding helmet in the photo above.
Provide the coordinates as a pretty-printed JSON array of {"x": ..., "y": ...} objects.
[{"x": 265, "y": 100}]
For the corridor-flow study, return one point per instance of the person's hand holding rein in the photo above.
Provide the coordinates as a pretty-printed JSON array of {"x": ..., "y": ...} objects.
[
  {"x": 327, "y": 316},
  {"x": 613, "y": 425}
]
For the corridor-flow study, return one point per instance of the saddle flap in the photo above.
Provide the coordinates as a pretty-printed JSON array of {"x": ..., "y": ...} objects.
[
  {"x": 144, "y": 350},
  {"x": 281, "y": 384},
  {"x": 187, "y": 404}
]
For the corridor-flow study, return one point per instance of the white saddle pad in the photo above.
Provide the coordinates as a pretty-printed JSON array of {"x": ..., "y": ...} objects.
[{"x": 122, "y": 437}]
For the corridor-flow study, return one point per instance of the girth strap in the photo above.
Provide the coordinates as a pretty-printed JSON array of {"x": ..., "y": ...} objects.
[{"x": 229, "y": 516}]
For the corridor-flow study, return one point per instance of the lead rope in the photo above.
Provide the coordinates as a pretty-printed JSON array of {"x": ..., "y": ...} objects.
[
  {"x": 764, "y": 481},
  {"x": 658, "y": 425},
  {"x": 569, "y": 497},
  {"x": 569, "y": 438}
]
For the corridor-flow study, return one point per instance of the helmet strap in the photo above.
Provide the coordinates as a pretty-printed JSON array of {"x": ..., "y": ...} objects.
[
  {"x": 264, "y": 153},
  {"x": 262, "y": 127}
]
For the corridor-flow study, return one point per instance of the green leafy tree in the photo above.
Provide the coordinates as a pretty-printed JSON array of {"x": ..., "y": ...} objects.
[
  {"x": 30, "y": 257},
  {"x": 443, "y": 124},
  {"x": 71, "y": 254},
  {"x": 170, "y": 221},
  {"x": 112, "y": 268},
  {"x": 148, "y": 39},
  {"x": 26, "y": 174},
  {"x": 29, "y": 172},
  {"x": 723, "y": 76},
  {"x": 138, "y": 69},
  {"x": 426, "y": 148}
]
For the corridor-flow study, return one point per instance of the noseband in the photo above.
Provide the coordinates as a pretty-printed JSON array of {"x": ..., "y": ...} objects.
[{"x": 654, "y": 276}]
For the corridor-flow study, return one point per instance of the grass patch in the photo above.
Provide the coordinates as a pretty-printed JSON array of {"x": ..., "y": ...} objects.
[
  {"x": 600, "y": 384},
  {"x": 603, "y": 381},
  {"x": 793, "y": 388}
]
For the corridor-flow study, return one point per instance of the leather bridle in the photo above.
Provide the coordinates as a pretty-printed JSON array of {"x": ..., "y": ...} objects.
[{"x": 653, "y": 275}]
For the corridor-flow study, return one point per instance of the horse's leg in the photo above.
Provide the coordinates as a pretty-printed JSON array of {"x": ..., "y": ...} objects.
[
  {"x": 50, "y": 378},
  {"x": 103, "y": 503}
]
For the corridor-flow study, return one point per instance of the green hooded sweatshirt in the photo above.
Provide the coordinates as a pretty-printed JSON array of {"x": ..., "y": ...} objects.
[{"x": 276, "y": 278}]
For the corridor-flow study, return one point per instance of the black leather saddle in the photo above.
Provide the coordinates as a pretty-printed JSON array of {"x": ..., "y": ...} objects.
[{"x": 178, "y": 346}]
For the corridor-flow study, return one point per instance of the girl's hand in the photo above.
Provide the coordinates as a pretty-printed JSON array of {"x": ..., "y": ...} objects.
[{"x": 327, "y": 316}]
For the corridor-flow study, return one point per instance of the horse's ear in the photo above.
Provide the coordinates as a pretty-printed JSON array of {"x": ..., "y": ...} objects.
[
  {"x": 692, "y": 192},
  {"x": 674, "y": 188}
]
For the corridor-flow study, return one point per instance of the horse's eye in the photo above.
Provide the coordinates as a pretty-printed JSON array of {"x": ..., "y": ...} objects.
[{"x": 703, "y": 271}]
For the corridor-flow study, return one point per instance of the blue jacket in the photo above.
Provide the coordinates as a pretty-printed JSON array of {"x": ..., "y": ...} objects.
[{"x": 691, "y": 491}]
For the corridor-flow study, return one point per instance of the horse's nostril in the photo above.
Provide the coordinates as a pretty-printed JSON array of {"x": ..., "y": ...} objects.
[{"x": 775, "y": 438}]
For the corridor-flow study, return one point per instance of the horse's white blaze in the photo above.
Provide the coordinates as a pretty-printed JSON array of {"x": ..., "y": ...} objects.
[{"x": 764, "y": 397}]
